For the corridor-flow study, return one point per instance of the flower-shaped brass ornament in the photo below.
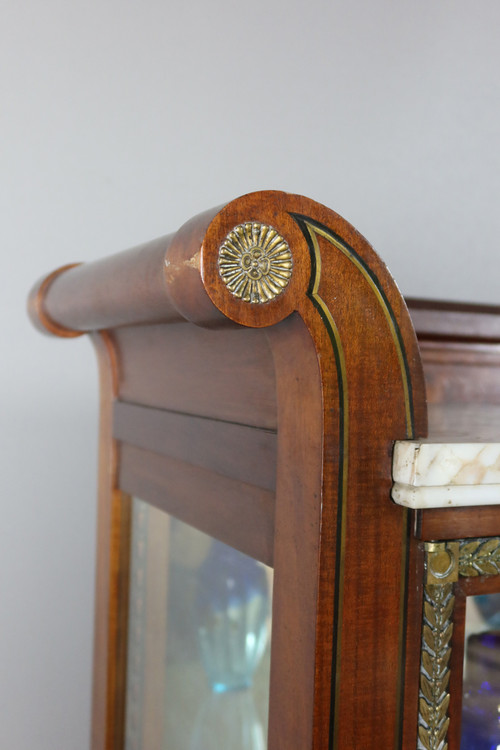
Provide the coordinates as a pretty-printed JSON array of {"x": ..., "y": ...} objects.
[{"x": 255, "y": 262}]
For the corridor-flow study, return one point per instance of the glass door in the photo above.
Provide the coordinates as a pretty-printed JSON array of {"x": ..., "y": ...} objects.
[
  {"x": 198, "y": 640},
  {"x": 481, "y": 683}
]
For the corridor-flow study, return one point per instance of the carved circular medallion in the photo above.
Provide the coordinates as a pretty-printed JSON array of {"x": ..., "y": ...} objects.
[{"x": 255, "y": 262}]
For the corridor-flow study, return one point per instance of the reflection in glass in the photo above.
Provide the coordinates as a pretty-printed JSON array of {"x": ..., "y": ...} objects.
[
  {"x": 231, "y": 617},
  {"x": 481, "y": 690},
  {"x": 227, "y": 720},
  {"x": 198, "y": 642}
]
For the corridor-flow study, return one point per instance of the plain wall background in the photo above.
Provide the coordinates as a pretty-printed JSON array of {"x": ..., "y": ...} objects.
[{"x": 119, "y": 120}]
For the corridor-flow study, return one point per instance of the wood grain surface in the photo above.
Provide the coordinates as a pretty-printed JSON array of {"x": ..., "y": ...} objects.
[{"x": 270, "y": 426}]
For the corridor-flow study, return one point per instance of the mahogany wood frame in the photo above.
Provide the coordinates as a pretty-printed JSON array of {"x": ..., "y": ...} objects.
[
  {"x": 460, "y": 350},
  {"x": 313, "y": 387}
]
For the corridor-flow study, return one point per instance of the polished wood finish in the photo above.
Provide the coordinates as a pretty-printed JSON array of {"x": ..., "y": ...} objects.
[
  {"x": 460, "y": 349},
  {"x": 112, "y": 572},
  {"x": 119, "y": 290},
  {"x": 239, "y": 514},
  {"x": 235, "y": 381},
  {"x": 294, "y": 708},
  {"x": 40, "y": 318},
  {"x": 456, "y": 668},
  {"x": 448, "y": 321},
  {"x": 461, "y": 373},
  {"x": 270, "y": 426},
  {"x": 463, "y": 523},
  {"x": 464, "y": 423},
  {"x": 206, "y": 443}
]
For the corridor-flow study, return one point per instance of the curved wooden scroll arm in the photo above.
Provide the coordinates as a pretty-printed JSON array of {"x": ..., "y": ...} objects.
[{"x": 349, "y": 383}]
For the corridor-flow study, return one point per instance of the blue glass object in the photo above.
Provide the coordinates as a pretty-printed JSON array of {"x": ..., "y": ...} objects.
[
  {"x": 481, "y": 699},
  {"x": 232, "y": 606},
  {"x": 197, "y": 608}
]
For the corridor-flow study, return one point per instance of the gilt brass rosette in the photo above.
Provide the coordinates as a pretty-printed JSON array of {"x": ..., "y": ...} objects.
[{"x": 255, "y": 262}]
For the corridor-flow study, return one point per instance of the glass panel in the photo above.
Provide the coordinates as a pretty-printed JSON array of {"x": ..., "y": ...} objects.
[
  {"x": 199, "y": 645},
  {"x": 481, "y": 691}
]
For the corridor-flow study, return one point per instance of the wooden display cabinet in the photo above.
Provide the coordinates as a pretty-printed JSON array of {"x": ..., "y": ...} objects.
[{"x": 257, "y": 368}]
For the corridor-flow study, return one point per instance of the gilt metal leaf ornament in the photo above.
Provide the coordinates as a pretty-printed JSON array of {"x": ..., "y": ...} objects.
[
  {"x": 480, "y": 557},
  {"x": 434, "y": 698},
  {"x": 473, "y": 557},
  {"x": 255, "y": 262}
]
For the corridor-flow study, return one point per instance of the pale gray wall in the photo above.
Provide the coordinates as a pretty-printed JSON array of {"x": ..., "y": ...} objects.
[{"x": 121, "y": 119}]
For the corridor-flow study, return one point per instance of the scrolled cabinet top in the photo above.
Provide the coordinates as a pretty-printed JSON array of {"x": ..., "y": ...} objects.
[{"x": 248, "y": 262}]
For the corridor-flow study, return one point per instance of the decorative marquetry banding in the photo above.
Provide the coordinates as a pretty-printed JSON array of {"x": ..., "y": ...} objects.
[
  {"x": 441, "y": 475},
  {"x": 255, "y": 262}
]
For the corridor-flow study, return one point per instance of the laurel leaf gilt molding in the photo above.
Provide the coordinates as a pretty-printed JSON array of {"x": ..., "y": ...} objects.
[
  {"x": 434, "y": 697},
  {"x": 479, "y": 557},
  {"x": 444, "y": 563}
]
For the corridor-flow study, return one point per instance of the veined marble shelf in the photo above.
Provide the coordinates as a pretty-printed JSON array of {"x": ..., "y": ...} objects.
[{"x": 445, "y": 475}]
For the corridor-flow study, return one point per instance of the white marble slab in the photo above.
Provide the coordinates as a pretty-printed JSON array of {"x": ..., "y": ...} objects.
[{"x": 440, "y": 475}]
